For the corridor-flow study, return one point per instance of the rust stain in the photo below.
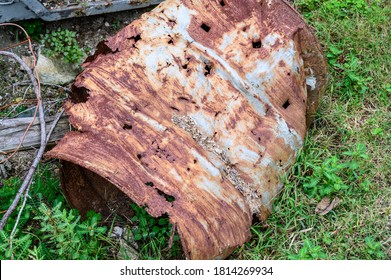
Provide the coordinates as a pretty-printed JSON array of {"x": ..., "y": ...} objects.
[{"x": 204, "y": 103}]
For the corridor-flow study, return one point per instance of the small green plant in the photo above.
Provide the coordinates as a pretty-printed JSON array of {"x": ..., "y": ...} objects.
[
  {"x": 62, "y": 235},
  {"x": 149, "y": 227},
  {"x": 353, "y": 83},
  {"x": 33, "y": 28},
  {"x": 15, "y": 248},
  {"x": 154, "y": 233},
  {"x": 338, "y": 8},
  {"x": 374, "y": 249},
  {"x": 116, "y": 24},
  {"x": 309, "y": 252},
  {"x": 45, "y": 232},
  {"x": 335, "y": 176},
  {"x": 325, "y": 178},
  {"x": 67, "y": 237},
  {"x": 63, "y": 43}
]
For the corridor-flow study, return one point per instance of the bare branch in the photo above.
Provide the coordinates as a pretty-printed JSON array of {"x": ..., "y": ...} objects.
[
  {"x": 28, "y": 188},
  {"x": 58, "y": 117},
  {"x": 27, "y": 181}
]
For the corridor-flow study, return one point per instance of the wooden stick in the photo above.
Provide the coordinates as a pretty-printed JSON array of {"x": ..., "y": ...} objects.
[
  {"x": 27, "y": 181},
  {"x": 28, "y": 188},
  {"x": 12, "y": 130}
]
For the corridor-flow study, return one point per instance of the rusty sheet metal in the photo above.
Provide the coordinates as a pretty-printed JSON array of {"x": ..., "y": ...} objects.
[{"x": 195, "y": 110}]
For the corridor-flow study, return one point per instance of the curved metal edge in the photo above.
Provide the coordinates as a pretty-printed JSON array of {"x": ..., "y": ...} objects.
[
  {"x": 33, "y": 9},
  {"x": 235, "y": 225},
  {"x": 93, "y": 8},
  {"x": 316, "y": 63}
]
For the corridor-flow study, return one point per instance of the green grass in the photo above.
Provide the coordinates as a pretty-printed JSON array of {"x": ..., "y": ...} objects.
[
  {"x": 346, "y": 155},
  {"x": 356, "y": 38},
  {"x": 48, "y": 228}
]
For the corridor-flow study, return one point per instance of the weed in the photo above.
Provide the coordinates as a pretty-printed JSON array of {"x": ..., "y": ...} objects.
[
  {"x": 50, "y": 232},
  {"x": 154, "y": 234},
  {"x": 334, "y": 176},
  {"x": 67, "y": 237},
  {"x": 116, "y": 24},
  {"x": 338, "y": 8},
  {"x": 352, "y": 82},
  {"x": 62, "y": 43},
  {"x": 309, "y": 252},
  {"x": 33, "y": 28},
  {"x": 374, "y": 249},
  {"x": 16, "y": 248}
]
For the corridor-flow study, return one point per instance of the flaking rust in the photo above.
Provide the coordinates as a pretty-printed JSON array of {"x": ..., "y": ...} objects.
[{"x": 194, "y": 110}]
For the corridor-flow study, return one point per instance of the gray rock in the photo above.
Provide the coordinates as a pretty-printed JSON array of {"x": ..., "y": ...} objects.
[
  {"x": 55, "y": 71},
  {"x": 126, "y": 252},
  {"x": 117, "y": 232},
  {"x": 127, "y": 246},
  {"x": 3, "y": 167}
]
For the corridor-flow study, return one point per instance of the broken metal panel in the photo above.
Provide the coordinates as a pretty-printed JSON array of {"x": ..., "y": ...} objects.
[
  {"x": 29, "y": 9},
  {"x": 195, "y": 110}
]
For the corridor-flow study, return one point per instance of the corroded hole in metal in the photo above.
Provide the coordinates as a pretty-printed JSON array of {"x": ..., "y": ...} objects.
[
  {"x": 101, "y": 49},
  {"x": 79, "y": 94},
  {"x": 150, "y": 184},
  {"x": 257, "y": 44},
  {"x": 136, "y": 38},
  {"x": 247, "y": 190},
  {"x": 171, "y": 41},
  {"x": 98, "y": 194},
  {"x": 127, "y": 126},
  {"x": 86, "y": 190},
  {"x": 205, "y": 27},
  {"x": 208, "y": 68},
  {"x": 286, "y": 104},
  {"x": 167, "y": 197},
  {"x": 183, "y": 99}
]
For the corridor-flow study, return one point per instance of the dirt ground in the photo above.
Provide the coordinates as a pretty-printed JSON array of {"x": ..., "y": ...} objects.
[
  {"x": 90, "y": 31},
  {"x": 54, "y": 4}
]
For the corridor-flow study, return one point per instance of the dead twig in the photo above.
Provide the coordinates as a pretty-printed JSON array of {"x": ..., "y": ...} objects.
[
  {"x": 27, "y": 181},
  {"x": 59, "y": 114},
  {"x": 25, "y": 83},
  {"x": 297, "y": 234},
  {"x": 37, "y": 92},
  {"x": 171, "y": 240},
  {"x": 32, "y": 78},
  {"x": 58, "y": 117}
]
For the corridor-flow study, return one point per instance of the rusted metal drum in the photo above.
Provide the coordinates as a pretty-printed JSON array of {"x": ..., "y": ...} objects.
[{"x": 194, "y": 110}]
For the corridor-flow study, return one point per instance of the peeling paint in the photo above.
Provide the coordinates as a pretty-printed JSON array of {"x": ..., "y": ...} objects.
[{"x": 311, "y": 80}]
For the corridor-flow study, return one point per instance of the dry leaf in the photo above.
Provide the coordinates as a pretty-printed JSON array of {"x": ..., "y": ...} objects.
[{"x": 325, "y": 206}]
